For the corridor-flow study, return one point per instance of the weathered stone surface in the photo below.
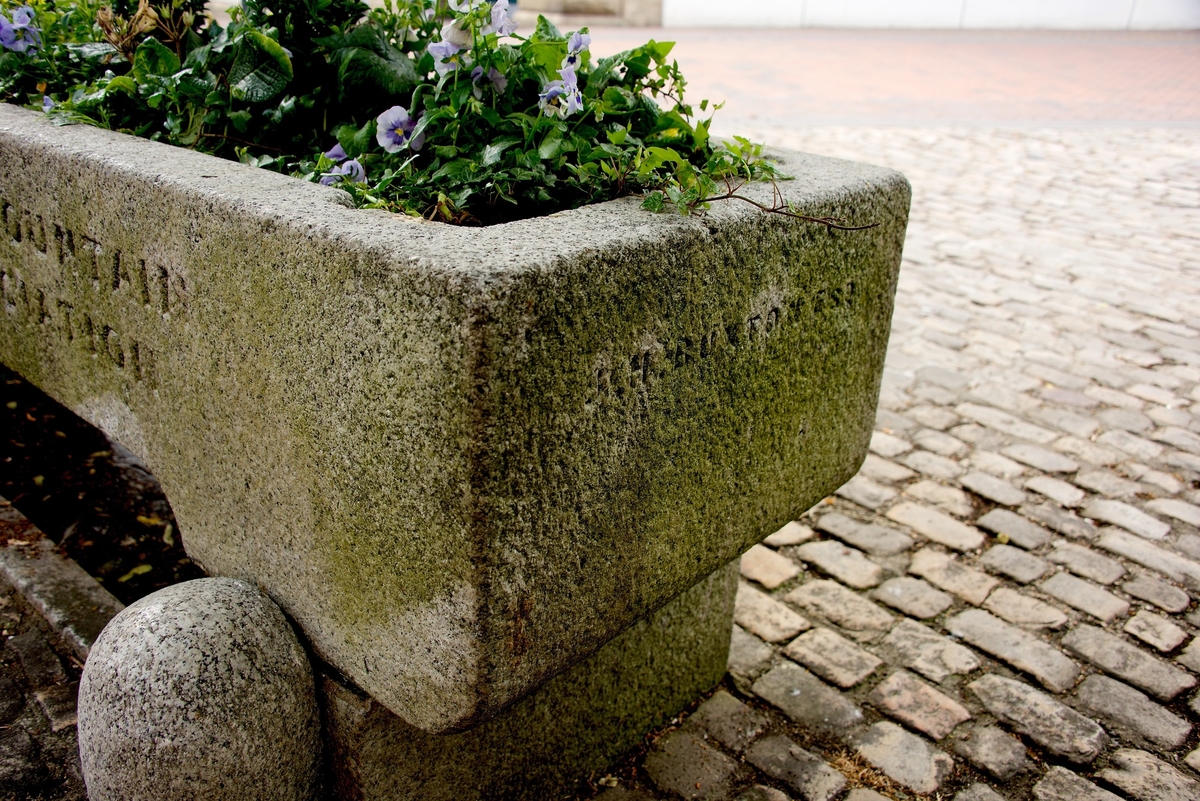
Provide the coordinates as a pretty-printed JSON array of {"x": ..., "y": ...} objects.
[
  {"x": 804, "y": 772},
  {"x": 995, "y": 750},
  {"x": 1125, "y": 709},
  {"x": 863, "y": 794},
  {"x": 41, "y": 665},
  {"x": 904, "y": 757},
  {"x": 978, "y": 792},
  {"x": 1085, "y": 597},
  {"x": 760, "y": 792},
  {"x": 883, "y": 470},
  {"x": 58, "y": 703},
  {"x": 1056, "y": 727},
  {"x": 1159, "y": 593},
  {"x": 748, "y": 655},
  {"x": 460, "y": 458},
  {"x": 912, "y": 597},
  {"x": 1155, "y": 630},
  {"x": 937, "y": 526},
  {"x": 1014, "y": 563},
  {"x": 1041, "y": 458},
  {"x": 887, "y": 445},
  {"x": 1060, "y": 784},
  {"x": 931, "y": 464},
  {"x": 1144, "y": 553},
  {"x": 1086, "y": 562},
  {"x": 1127, "y": 517},
  {"x": 948, "y": 499},
  {"x": 1190, "y": 657},
  {"x": 1005, "y": 423},
  {"x": 684, "y": 763},
  {"x": 944, "y": 571},
  {"x": 992, "y": 488},
  {"x": 792, "y": 533},
  {"x": 1017, "y": 529},
  {"x": 929, "y": 653},
  {"x": 1147, "y": 778},
  {"x": 761, "y": 614},
  {"x": 734, "y": 724},
  {"x": 768, "y": 568},
  {"x": 847, "y": 565},
  {"x": 546, "y": 743},
  {"x": 1023, "y": 610},
  {"x": 1180, "y": 510},
  {"x": 912, "y": 701},
  {"x": 1118, "y": 658},
  {"x": 1018, "y": 648},
  {"x": 1060, "y": 520},
  {"x": 865, "y": 492},
  {"x": 199, "y": 690},
  {"x": 841, "y": 606},
  {"x": 833, "y": 657},
  {"x": 873, "y": 538},
  {"x": 807, "y": 700},
  {"x": 1056, "y": 490}
]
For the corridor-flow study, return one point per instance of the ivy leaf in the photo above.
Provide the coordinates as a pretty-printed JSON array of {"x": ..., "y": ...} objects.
[
  {"x": 493, "y": 152},
  {"x": 367, "y": 60},
  {"x": 152, "y": 57},
  {"x": 87, "y": 51},
  {"x": 261, "y": 68}
]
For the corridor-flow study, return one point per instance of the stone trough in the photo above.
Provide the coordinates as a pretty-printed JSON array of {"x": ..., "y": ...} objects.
[{"x": 460, "y": 460}]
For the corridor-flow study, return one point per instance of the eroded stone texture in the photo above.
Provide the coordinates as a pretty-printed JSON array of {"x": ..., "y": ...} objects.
[
  {"x": 1125, "y": 708},
  {"x": 807, "y": 700},
  {"x": 1118, "y": 658},
  {"x": 1147, "y": 778},
  {"x": 995, "y": 750},
  {"x": 929, "y": 653},
  {"x": 1058, "y": 728},
  {"x": 1018, "y": 648},
  {"x": 803, "y": 771},
  {"x": 462, "y": 459},
  {"x": 905, "y": 757},
  {"x": 199, "y": 690},
  {"x": 1060, "y": 784}
]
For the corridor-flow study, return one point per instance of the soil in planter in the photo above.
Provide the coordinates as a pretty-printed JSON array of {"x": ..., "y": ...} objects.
[{"x": 92, "y": 497}]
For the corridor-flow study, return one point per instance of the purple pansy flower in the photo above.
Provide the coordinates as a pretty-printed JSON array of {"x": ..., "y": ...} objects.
[
  {"x": 494, "y": 76},
  {"x": 502, "y": 23},
  {"x": 336, "y": 153},
  {"x": 447, "y": 57},
  {"x": 350, "y": 169},
  {"x": 456, "y": 33},
  {"x": 395, "y": 129},
  {"x": 47, "y": 103},
  {"x": 576, "y": 45},
  {"x": 561, "y": 98},
  {"x": 19, "y": 35}
]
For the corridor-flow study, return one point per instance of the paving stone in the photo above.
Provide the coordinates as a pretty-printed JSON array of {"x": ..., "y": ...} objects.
[
  {"x": 847, "y": 565},
  {"x": 1016, "y": 529},
  {"x": 1005, "y": 423},
  {"x": 934, "y": 417},
  {"x": 1057, "y": 490},
  {"x": 994, "y": 750},
  {"x": 1060, "y": 784},
  {"x": 41, "y": 665},
  {"x": 759, "y": 613},
  {"x": 734, "y": 724},
  {"x": 807, "y": 700},
  {"x": 760, "y": 792},
  {"x": 1172, "y": 417},
  {"x": 1156, "y": 478},
  {"x": 1124, "y": 708},
  {"x": 1179, "y": 438},
  {"x": 1023, "y": 610},
  {"x": 872, "y": 538},
  {"x": 768, "y": 568},
  {"x": 1014, "y": 563},
  {"x": 934, "y": 656},
  {"x": 1056, "y": 727},
  {"x": 995, "y": 464},
  {"x": 685, "y": 763},
  {"x": 841, "y": 606},
  {"x": 1159, "y": 593},
  {"x": 865, "y": 492},
  {"x": 1155, "y": 630},
  {"x": 978, "y": 792},
  {"x": 21, "y": 771},
  {"x": 887, "y": 446},
  {"x": 1118, "y": 658},
  {"x": 1171, "y": 565},
  {"x": 748, "y": 655},
  {"x": 1042, "y": 459},
  {"x": 937, "y": 526},
  {"x": 833, "y": 657},
  {"x": 1086, "y": 562},
  {"x": 915, "y": 703},
  {"x": 863, "y": 794},
  {"x": 1147, "y": 778},
  {"x": 1127, "y": 517},
  {"x": 1180, "y": 510},
  {"x": 942, "y": 377},
  {"x": 931, "y": 464},
  {"x": 1192, "y": 760},
  {"x": 1125, "y": 420},
  {"x": 940, "y": 442},
  {"x": 884, "y": 470},
  {"x": 1085, "y": 597},
  {"x": 994, "y": 489},
  {"x": 12, "y": 700},
  {"x": 1018, "y": 648},
  {"x": 801, "y": 770},
  {"x": 1089, "y": 452},
  {"x": 1130, "y": 443},
  {"x": 792, "y": 533},
  {"x": 949, "y": 499},
  {"x": 58, "y": 702},
  {"x": 905, "y": 758},
  {"x": 945, "y": 572},
  {"x": 913, "y": 597},
  {"x": 1190, "y": 658},
  {"x": 1060, "y": 520}
]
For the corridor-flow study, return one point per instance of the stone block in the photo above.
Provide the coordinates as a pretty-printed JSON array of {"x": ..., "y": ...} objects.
[
  {"x": 992, "y": 488},
  {"x": 734, "y": 724},
  {"x": 1024, "y": 610},
  {"x": 1127, "y": 517},
  {"x": 1018, "y": 648},
  {"x": 1155, "y": 630},
  {"x": 913, "y": 597},
  {"x": 847, "y": 565},
  {"x": 1159, "y": 593},
  {"x": 802, "y": 771},
  {"x": 906, "y": 758},
  {"x": 841, "y": 606},
  {"x": 461, "y": 459},
  {"x": 929, "y": 653},
  {"x": 944, "y": 571},
  {"x": 1125, "y": 661},
  {"x": 807, "y": 700},
  {"x": 937, "y": 526},
  {"x": 547, "y": 743},
  {"x": 915, "y": 703},
  {"x": 1126, "y": 709},
  {"x": 1086, "y": 562},
  {"x": 1016, "y": 529},
  {"x": 1145, "y": 777},
  {"x": 768, "y": 568},
  {"x": 1085, "y": 597},
  {"x": 761, "y": 614},
  {"x": 872, "y": 538},
  {"x": 748, "y": 655},
  {"x": 999, "y": 753},
  {"x": 1055, "y": 726},
  {"x": 1014, "y": 563},
  {"x": 833, "y": 657},
  {"x": 1060, "y": 784},
  {"x": 685, "y": 763}
]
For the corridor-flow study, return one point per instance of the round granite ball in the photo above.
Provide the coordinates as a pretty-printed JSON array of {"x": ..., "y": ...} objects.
[{"x": 199, "y": 691}]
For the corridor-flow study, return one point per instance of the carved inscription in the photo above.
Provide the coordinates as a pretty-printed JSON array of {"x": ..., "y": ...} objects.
[
  {"x": 88, "y": 276},
  {"x": 653, "y": 359}
]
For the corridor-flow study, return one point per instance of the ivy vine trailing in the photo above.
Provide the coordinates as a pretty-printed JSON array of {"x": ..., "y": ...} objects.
[{"x": 436, "y": 108}]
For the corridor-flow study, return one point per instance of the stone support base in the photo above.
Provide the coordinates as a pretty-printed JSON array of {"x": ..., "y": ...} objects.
[{"x": 547, "y": 743}]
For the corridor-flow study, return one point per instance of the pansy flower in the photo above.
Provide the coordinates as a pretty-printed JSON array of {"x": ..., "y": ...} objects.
[
  {"x": 494, "y": 76},
  {"x": 19, "y": 34},
  {"x": 447, "y": 57},
  {"x": 394, "y": 130},
  {"x": 502, "y": 23},
  {"x": 348, "y": 169},
  {"x": 575, "y": 46}
]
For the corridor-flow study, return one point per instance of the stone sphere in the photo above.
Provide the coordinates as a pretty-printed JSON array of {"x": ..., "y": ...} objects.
[{"x": 199, "y": 691}]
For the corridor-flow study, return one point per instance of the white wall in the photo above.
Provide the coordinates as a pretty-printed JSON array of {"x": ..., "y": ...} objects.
[{"x": 1051, "y": 14}]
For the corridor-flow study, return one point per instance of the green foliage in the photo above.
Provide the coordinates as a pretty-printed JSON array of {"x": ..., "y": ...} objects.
[{"x": 502, "y": 128}]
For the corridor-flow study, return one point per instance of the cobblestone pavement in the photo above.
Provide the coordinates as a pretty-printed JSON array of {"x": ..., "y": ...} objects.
[{"x": 1001, "y": 603}]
